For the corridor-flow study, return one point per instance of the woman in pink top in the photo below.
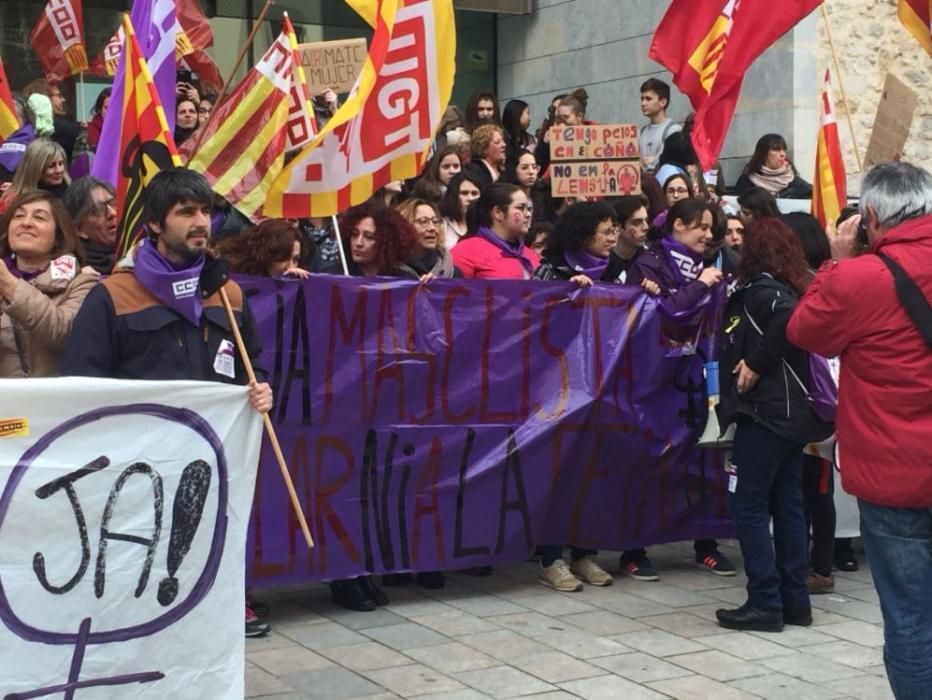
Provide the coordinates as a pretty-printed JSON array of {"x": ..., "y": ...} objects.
[{"x": 494, "y": 248}]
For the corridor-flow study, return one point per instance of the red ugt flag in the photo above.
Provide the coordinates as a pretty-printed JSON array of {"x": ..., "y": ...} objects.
[
  {"x": 58, "y": 39},
  {"x": 708, "y": 45}
]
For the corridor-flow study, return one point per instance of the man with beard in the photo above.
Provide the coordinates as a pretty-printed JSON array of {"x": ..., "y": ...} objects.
[
  {"x": 160, "y": 315},
  {"x": 92, "y": 206}
]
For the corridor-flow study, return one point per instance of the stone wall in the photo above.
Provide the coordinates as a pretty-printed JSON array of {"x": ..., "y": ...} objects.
[{"x": 871, "y": 41}]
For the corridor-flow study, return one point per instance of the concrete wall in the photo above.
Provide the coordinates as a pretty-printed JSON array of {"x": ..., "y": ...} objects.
[{"x": 602, "y": 45}]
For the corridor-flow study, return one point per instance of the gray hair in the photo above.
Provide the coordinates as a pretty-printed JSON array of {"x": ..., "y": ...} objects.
[
  {"x": 896, "y": 192},
  {"x": 78, "y": 199}
]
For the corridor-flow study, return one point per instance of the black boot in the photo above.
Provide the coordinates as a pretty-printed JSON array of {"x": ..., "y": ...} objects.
[
  {"x": 368, "y": 587},
  {"x": 434, "y": 580},
  {"x": 348, "y": 594},
  {"x": 797, "y": 616},
  {"x": 752, "y": 619}
]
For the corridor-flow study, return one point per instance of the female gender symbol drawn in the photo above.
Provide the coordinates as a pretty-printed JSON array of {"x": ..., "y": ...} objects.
[{"x": 84, "y": 636}]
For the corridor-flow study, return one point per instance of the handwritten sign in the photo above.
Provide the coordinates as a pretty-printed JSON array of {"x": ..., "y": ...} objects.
[
  {"x": 463, "y": 422},
  {"x": 121, "y": 538},
  {"x": 891, "y": 125},
  {"x": 332, "y": 64},
  {"x": 595, "y": 160}
]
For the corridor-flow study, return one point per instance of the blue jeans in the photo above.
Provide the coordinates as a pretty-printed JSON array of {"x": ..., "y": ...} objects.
[
  {"x": 898, "y": 542},
  {"x": 770, "y": 483}
]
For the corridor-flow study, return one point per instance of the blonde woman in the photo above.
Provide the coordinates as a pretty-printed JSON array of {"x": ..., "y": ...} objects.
[{"x": 42, "y": 168}]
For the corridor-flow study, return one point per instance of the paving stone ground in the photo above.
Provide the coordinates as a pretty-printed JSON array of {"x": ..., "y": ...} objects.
[{"x": 507, "y": 636}]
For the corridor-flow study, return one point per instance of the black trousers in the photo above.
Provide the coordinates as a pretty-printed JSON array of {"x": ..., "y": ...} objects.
[{"x": 818, "y": 489}]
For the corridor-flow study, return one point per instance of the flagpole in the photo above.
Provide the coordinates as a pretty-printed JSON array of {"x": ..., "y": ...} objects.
[
  {"x": 269, "y": 428},
  {"x": 841, "y": 86},
  {"x": 81, "y": 104},
  {"x": 336, "y": 232},
  {"x": 226, "y": 85}
]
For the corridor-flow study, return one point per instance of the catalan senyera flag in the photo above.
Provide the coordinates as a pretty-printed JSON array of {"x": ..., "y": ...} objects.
[
  {"x": 8, "y": 121},
  {"x": 242, "y": 148},
  {"x": 709, "y": 45},
  {"x": 916, "y": 16},
  {"x": 384, "y": 129},
  {"x": 58, "y": 39},
  {"x": 829, "y": 186},
  {"x": 146, "y": 144}
]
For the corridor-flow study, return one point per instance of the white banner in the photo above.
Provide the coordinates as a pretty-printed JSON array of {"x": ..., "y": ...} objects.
[{"x": 123, "y": 517}]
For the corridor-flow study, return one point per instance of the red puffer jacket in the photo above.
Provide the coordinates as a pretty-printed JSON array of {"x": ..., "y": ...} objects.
[{"x": 885, "y": 389}]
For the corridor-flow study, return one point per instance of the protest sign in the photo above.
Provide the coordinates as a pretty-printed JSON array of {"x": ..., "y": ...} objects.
[
  {"x": 122, "y": 531},
  {"x": 332, "y": 64},
  {"x": 596, "y": 160},
  {"x": 891, "y": 125},
  {"x": 460, "y": 423}
]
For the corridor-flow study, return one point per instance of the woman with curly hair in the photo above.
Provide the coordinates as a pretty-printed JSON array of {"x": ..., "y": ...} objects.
[
  {"x": 488, "y": 154},
  {"x": 270, "y": 249},
  {"x": 763, "y": 388},
  {"x": 482, "y": 108},
  {"x": 379, "y": 240},
  {"x": 441, "y": 168}
]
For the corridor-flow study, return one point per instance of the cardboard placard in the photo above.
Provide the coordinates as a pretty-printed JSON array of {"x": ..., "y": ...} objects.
[
  {"x": 594, "y": 160},
  {"x": 595, "y": 178},
  {"x": 332, "y": 64},
  {"x": 891, "y": 125}
]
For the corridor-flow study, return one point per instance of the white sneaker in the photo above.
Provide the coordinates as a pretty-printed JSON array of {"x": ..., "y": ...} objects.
[
  {"x": 588, "y": 570},
  {"x": 559, "y": 577}
]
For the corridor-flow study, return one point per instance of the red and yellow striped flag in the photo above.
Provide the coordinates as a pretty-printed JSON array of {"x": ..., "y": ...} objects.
[
  {"x": 146, "y": 145},
  {"x": 8, "y": 121},
  {"x": 829, "y": 186},
  {"x": 384, "y": 129},
  {"x": 916, "y": 16},
  {"x": 243, "y": 148}
]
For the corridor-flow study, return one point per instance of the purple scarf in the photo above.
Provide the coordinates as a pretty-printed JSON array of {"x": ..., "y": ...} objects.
[
  {"x": 178, "y": 287},
  {"x": 686, "y": 264},
  {"x": 509, "y": 250},
  {"x": 27, "y": 276},
  {"x": 587, "y": 264}
]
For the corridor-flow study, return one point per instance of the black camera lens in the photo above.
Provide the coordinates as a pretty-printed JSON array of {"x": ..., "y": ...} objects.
[{"x": 862, "y": 232}]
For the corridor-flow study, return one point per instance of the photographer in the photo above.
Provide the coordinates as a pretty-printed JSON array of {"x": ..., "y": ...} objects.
[{"x": 872, "y": 310}]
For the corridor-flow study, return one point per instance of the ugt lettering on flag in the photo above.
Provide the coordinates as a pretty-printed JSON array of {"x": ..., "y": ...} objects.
[{"x": 382, "y": 132}]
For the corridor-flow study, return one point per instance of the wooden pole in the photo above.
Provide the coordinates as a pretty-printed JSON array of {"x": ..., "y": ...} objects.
[
  {"x": 841, "y": 86},
  {"x": 226, "y": 85},
  {"x": 336, "y": 232},
  {"x": 269, "y": 428}
]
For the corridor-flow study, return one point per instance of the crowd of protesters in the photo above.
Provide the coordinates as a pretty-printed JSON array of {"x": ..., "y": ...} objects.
[{"x": 482, "y": 209}]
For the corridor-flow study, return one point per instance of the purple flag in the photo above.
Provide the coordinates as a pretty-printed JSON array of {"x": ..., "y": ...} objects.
[{"x": 156, "y": 25}]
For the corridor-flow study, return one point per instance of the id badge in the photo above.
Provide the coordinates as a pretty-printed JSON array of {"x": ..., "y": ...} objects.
[{"x": 224, "y": 361}]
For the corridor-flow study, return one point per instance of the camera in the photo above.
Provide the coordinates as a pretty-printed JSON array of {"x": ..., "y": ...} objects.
[{"x": 862, "y": 233}]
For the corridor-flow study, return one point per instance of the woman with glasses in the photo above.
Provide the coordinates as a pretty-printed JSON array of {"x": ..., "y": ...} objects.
[
  {"x": 430, "y": 259},
  {"x": 494, "y": 247}
]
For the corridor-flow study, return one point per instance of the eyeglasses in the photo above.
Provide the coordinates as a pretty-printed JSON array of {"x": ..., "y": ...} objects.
[
  {"x": 527, "y": 208},
  {"x": 100, "y": 208},
  {"x": 610, "y": 231},
  {"x": 677, "y": 190},
  {"x": 426, "y": 221}
]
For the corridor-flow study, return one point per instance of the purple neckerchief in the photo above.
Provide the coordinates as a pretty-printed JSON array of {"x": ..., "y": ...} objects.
[
  {"x": 28, "y": 276},
  {"x": 176, "y": 287},
  {"x": 13, "y": 149},
  {"x": 686, "y": 264},
  {"x": 508, "y": 250},
  {"x": 587, "y": 264}
]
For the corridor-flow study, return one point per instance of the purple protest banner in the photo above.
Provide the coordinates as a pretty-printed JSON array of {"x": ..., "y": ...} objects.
[{"x": 461, "y": 423}]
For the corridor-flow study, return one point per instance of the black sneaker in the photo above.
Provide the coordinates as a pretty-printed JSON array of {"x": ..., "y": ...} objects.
[
  {"x": 717, "y": 563},
  {"x": 750, "y": 619},
  {"x": 254, "y": 626},
  {"x": 640, "y": 569},
  {"x": 347, "y": 593}
]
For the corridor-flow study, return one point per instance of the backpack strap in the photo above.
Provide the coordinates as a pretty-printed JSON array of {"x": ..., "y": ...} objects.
[{"x": 912, "y": 299}]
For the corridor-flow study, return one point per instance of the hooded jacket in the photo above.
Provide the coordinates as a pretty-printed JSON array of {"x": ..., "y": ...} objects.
[{"x": 884, "y": 420}]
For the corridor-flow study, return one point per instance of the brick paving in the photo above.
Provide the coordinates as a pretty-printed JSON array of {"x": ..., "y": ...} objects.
[{"x": 507, "y": 636}]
